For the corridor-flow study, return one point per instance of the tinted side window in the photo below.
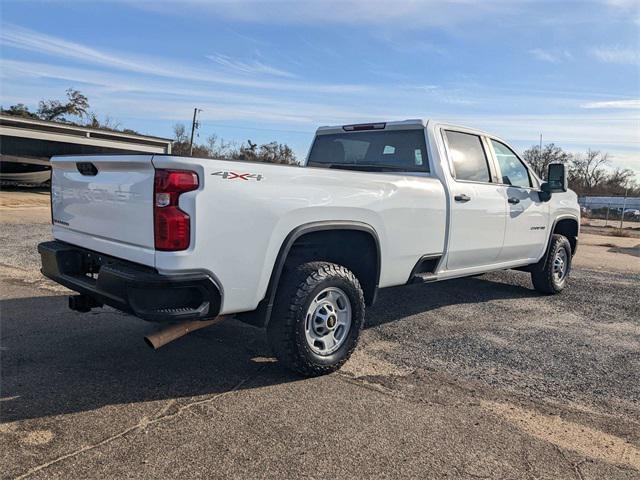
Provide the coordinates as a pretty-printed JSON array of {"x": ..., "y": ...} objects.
[
  {"x": 469, "y": 159},
  {"x": 512, "y": 169}
]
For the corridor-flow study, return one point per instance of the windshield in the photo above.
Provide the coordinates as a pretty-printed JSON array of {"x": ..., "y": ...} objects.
[{"x": 395, "y": 150}]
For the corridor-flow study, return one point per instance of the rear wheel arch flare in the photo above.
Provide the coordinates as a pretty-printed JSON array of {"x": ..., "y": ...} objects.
[{"x": 362, "y": 238}]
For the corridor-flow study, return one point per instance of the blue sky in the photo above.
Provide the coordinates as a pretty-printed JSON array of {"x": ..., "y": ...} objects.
[{"x": 277, "y": 70}]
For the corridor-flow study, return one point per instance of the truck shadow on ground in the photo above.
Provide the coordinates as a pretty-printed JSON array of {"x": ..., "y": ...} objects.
[
  {"x": 58, "y": 362},
  {"x": 633, "y": 251}
]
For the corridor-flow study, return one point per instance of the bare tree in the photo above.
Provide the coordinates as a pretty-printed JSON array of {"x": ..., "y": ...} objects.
[
  {"x": 180, "y": 133},
  {"x": 540, "y": 160},
  {"x": 619, "y": 182},
  {"x": 275, "y": 152},
  {"x": 272, "y": 152},
  {"x": 108, "y": 123},
  {"x": 218, "y": 148},
  {"x": 587, "y": 171},
  {"x": 247, "y": 152}
]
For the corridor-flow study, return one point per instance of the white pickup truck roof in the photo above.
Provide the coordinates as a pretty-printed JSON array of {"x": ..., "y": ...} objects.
[
  {"x": 408, "y": 124},
  {"x": 397, "y": 125}
]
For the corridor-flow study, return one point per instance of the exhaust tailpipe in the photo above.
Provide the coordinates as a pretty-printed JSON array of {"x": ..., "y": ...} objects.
[{"x": 173, "y": 332}]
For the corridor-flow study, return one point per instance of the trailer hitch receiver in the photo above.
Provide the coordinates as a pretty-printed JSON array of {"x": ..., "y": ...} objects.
[{"x": 83, "y": 303}]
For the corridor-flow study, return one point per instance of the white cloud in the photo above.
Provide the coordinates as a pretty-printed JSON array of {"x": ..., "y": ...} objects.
[
  {"x": 551, "y": 56},
  {"x": 164, "y": 99},
  {"x": 626, "y": 159},
  {"x": 624, "y": 4},
  {"x": 401, "y": 43},
  {"x": 617, "y": 54},
  {"x": 24, "y": 39},
  {"x": 124, "y": 96},
  {"x": 408, "y": 13},
  {"x": 251, "y": 68},
  {"x": 617, "y": 104},
  {"x": 593, "y": 129},
  {"x": 166, "y": 89}
]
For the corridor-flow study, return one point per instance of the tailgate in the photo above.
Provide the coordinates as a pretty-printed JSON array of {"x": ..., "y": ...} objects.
[{"x": 104, "y": 203}]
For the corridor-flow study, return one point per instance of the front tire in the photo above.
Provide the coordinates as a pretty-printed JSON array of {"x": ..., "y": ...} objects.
[
  {"x": 550, "y": 275},
  {"x": 317, "y": 318}
]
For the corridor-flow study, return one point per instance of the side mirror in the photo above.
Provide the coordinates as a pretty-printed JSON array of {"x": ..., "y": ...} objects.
[
  {"x": 556, "y": 181},
  {"x": 557, "y": 178}
]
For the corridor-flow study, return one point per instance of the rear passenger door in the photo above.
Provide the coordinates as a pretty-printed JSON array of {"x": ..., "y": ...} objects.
[
  {"x": 527, "y": 216},
  {"x": 477, "y": 203}
]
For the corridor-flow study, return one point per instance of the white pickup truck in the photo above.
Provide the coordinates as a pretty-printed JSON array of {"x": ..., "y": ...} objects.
[{"x": 302, "y": 250}]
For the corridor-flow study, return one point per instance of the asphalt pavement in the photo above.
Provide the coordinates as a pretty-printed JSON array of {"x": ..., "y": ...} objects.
[{"x": 470, "y": 378}]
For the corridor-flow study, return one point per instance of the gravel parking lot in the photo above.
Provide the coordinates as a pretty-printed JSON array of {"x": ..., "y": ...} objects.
[{"x": 470, "y": 378}]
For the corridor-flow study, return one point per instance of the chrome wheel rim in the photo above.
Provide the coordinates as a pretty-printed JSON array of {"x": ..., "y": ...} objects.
[
  {"x": 328, "y": 321},
  {"x": 560, "y": 265}
]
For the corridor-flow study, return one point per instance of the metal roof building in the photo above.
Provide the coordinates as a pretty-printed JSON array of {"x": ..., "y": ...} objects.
[{"x": 26, "y": 145}]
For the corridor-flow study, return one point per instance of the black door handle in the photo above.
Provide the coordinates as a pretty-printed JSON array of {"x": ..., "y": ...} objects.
[
  {"x": 462, "y": 198},
  {"x": 513, "y": 200}
]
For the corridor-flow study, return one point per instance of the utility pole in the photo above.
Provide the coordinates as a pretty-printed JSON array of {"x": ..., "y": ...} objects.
[
  {"x": 194, "y": 126},
  {"x": 540, "y": 156},
  {"x": 540, "y": 145}
]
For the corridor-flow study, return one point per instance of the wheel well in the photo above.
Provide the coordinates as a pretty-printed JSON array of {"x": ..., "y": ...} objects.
[
  {"x": 357, "y": 250},
  {"x": 569, "y": 228}
]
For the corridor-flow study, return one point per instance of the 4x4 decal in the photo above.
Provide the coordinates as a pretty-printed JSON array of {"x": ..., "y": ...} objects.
[{"x": 239, "y": 176}]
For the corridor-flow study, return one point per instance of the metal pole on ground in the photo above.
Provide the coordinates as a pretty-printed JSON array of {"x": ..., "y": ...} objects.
[{"x": 624, "y": 206}]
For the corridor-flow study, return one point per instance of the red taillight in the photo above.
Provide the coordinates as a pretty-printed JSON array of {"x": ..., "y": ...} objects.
[{"x": 172, "y": 226}]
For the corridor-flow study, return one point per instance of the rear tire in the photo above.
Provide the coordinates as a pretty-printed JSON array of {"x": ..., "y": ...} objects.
[
  {"x": 317, "y": 318},
  {"x": 549, "y": 276}
]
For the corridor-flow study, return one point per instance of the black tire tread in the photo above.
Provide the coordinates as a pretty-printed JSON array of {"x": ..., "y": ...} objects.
[
  {"x": 542, "y": 274},
  {"x": 293, "y": 293}
]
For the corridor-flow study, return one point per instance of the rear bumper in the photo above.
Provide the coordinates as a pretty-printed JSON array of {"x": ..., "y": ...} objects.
[{"x": 130, "y": 287}]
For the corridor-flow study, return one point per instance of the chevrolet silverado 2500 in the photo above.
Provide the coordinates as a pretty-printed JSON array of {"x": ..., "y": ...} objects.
[{"x": 302, "y": 250}]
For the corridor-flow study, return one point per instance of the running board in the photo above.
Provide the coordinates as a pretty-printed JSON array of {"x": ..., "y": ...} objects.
[
  {"x": 425, "y": 268},
  {"x": 424, "y": 278}
]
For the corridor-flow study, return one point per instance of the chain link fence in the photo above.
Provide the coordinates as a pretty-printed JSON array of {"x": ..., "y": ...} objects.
[{"x": 617, "y": 212}]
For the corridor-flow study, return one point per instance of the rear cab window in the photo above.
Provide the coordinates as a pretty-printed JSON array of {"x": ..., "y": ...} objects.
[
  {"x": 391, "y": 150},
  {"x": 468, "y": 156}
]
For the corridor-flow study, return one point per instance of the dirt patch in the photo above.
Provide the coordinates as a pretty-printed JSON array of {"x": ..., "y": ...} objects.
[
  {"x": 37, "y": 437},
  {"x": 599, "y": 252},
  {"x": 23, "y": 199},
  {"x": 630, "y": 230},
  {"x": 365, "y": 362},
  {"x": 37, "y": 215},
  {"x": 9, "y": 427},
  {"x": 21, "y": 276},
  {"x": 588, "y": 442}
]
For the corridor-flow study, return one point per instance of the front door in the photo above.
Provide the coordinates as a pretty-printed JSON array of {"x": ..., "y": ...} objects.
[
  {"x": 527, "y": 215},
  {"x": 478, "y": 205}
]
